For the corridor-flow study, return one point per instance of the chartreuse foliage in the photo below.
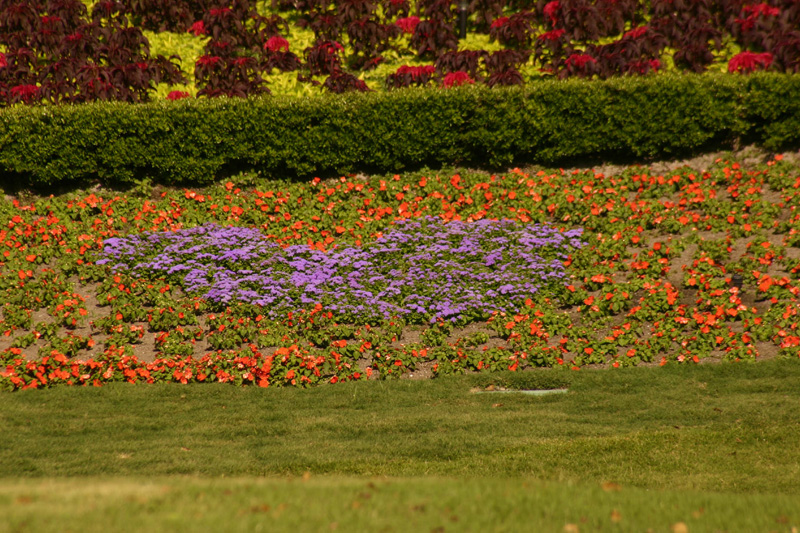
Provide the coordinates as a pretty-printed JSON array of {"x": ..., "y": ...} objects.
[
  {"x": 197, "y": 141},
  {"x": 709, "y": 446}
]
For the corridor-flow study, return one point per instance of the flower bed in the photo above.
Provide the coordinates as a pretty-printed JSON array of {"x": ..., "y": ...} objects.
[{"x": 677, "y": 268}]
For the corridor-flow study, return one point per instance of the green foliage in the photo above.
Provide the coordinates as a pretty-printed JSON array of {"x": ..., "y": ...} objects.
[
  {"x": 533, "y": 380},
  {"x": 191, "y": 141}
]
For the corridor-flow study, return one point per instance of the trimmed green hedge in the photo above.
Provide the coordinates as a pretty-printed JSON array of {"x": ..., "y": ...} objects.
[{"x": 195, "y": 141}]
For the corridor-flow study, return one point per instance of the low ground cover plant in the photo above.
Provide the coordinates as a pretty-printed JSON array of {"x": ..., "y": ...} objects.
[{"x": 625, "y": 269}]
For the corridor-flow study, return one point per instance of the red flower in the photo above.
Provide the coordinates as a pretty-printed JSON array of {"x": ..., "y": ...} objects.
[
  {"x": 635, "y": 33},
  {"x": 276, "y": 43},
  {"x": 456, "y": 79},
  {"x": 551, "y": 35},
  {"x": 208, "y": 61},
  {"x": 643, "y": 67},
  {"x": 332, "y": 47},
  {"x": 580, "y": 60},
  {"x": 551, "y": 10},
  {"x": 746, "y": 62},
  {"x": 408, "y": 25},
  {"x": 761, "y": 9},
  {"x": 198, "y": 28},
  {"x": 3, "y": 61},
  {"x": 374, "y": 62},
  {"x": 218, "y": 12},
  {"x": 417, "y": 72},
  {"x": 177, "y": 95},
  {"x": 751, "y": 13},
  {"x": 26, "y": 93},
  {"x": 499, "y": 22}
]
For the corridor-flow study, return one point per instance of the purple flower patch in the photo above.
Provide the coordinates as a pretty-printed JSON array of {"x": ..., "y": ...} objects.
[{"x": 422, "y": 270}]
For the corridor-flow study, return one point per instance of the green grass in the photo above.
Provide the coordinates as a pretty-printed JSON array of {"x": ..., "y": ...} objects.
[
  {"x": 379, "y": 504},
  {"x": 712, "y": 446},
  {"x": 730, "y": 428}
]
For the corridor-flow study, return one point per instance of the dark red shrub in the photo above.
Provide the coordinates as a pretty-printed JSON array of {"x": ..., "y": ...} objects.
[
  {"x": 515, "y": 31},
  {"x": 692, "y": 28},
  {"x": 368, "y": 39},
  {"x": 589, "y": 20},
  {"x": 164, "y": 15},
  {"x": 550, "y": 49},
  {"x": 323, "y": 21},
  {"x": 503, "y": 67},
  {"x": 406, "y": 76},
  {"x": 238, "y": 77},
  {"x": 786, "y": 51},
  {"x": 441, "y": 10},
  {"x": 468, "y": 61},
  {"x": 395, "y": 9},
  {"x": 72, "y": 59},
  {"x": 277, "y": 55},
  {"x": 323, "y": 57},
  {"x": 351, "y": 10},
  {"x": 580, "y": 65},
  {"x": 341, "y": 82},
  {"x": 109, "y": 12},
  {"x": 433, "y": 37},
  {"x": 637, "y": 52},
  {"x": 485, "y": 12},
  {"x": 373, "y": 63}
]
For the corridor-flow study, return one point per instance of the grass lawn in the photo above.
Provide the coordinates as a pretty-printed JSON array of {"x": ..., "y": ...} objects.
[{"x": 711, "y": 447}]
